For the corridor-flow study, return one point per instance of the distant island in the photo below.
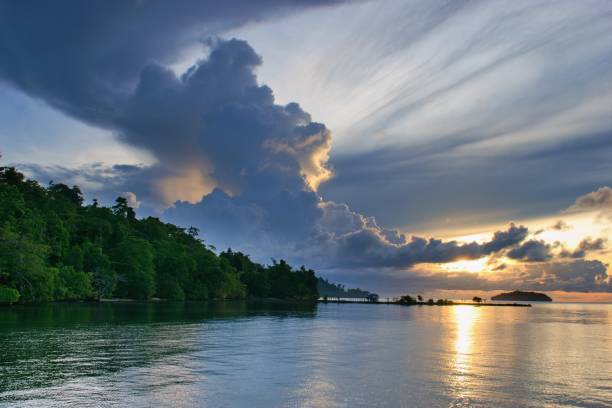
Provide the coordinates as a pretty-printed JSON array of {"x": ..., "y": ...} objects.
[
  {"x": 329, "y": 289},
  {"x": 517, "y": 295}
]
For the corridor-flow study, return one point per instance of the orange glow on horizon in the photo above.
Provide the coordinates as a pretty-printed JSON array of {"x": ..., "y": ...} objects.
[{"x": 472, "y": 265}]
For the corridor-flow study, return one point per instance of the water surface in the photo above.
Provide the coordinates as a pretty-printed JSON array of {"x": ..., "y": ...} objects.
[{"x": 330, "y": 355}]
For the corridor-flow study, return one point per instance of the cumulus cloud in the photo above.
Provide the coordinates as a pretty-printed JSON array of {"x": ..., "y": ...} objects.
[
  {"x": 508, "y": 238},
  {"x": 586, "y": 245},
  {"x": 216, "y": 127},
  {"x": 372, "y": 246},
  {"x": 531, "y": 251}
]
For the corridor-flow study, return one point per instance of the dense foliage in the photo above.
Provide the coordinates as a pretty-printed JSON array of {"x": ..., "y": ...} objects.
[{"x": 53, "y": 247}]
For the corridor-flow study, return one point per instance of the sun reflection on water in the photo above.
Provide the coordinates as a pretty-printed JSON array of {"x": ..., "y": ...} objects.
[{"x": 464, "y": 318}]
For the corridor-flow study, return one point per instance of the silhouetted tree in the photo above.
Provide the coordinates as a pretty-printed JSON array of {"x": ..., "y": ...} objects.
[
  {"x": 407, "y": 300},
  {"x": 122, "y": 208}
]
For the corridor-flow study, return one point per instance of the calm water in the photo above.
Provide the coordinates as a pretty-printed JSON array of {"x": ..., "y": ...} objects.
[{"x": 234, "y": 355}]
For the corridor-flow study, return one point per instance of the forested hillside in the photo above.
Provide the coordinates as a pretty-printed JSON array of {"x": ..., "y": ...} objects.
[{"x": 53, "y": 247}]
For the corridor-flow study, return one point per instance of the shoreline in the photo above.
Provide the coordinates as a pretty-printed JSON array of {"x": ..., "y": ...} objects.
[
  {"x": 161, "y": 301},
  {"x": 267, "y": 300}
]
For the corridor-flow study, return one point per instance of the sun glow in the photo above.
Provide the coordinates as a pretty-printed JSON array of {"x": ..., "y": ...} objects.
[{"x": 473, "y": 265}]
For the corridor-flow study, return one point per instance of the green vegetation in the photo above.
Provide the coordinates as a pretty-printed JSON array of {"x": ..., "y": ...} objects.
[
  {"x": 53, "y": 247},
  {"x": 8, "y": 295}
]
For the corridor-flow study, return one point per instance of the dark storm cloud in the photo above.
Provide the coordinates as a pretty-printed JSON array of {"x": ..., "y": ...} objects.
[
  {"x": 217, "y": 114},
  {"x": 505, "y": 239},
  {"x": 323, "y": 234},
  {"x": 83, "y": 57},
  {"x": 367, "y": 246},
  {"x": 214, "y": 126}
]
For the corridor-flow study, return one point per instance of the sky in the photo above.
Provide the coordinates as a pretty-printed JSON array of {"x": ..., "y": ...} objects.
[{"x": 443, "y": 148}]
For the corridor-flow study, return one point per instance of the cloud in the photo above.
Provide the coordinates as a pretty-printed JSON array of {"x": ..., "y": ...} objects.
[
  {"x": 573, "y": 275},
  {"x": 580, "y": 275},
  {"x": 586, "y": 245},
  {"x": 597, "y": 201},
  {"x": 508, "y": 238},
  {"x": 223, "y": 129},
  {"x": 107, "y": 65},
  {"x": 369, "y": 246},
  {"x": 107, "y": 182},
  {"x": 323, "y": 234},
  {"x": 132, "y": 199},
  {"x": 88, "y": 55},
  {"x": 419, "y": 187},
  {"x": 561, "y": 226},
  {"x": 448, "y": 114},
  {"x": 540, "y": 251},
  {"x": 531, "y": 251},
  {"x": 216, "y": 127}
]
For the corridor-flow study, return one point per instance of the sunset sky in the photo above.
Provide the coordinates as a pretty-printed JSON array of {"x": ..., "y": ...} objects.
[{"x": 443, "y": 148}]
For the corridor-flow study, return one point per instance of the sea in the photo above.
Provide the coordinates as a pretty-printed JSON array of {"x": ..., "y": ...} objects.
[{"x": 250, "y": 354}]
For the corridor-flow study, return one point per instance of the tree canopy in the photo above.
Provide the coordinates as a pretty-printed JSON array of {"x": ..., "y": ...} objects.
[{"x": 54, "y": 247}]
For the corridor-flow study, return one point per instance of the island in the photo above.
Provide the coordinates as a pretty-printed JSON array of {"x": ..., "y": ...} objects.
[{"x": 517, "y": 295}]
